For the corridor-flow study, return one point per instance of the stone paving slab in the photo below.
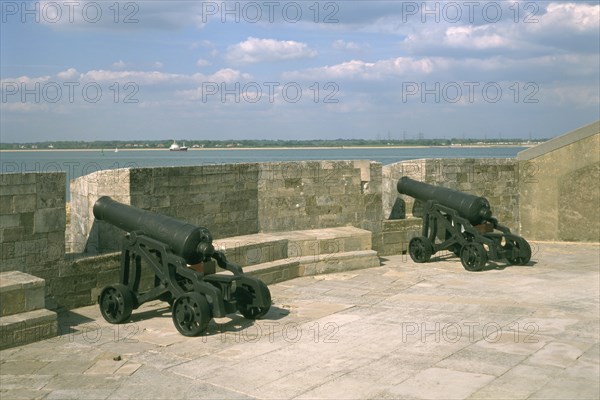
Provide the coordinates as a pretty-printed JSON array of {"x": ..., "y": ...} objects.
[{"x": 401, "y": 330}]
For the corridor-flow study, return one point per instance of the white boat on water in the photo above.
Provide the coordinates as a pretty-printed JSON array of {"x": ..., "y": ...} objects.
[{"x": 176, "y": 147}]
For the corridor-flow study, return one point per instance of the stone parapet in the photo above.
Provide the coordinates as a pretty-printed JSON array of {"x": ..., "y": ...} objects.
[
  {"x": 23, "y": 318},
  {"x": 558, "y": 187},
  {"x": 493, "y": 178},
  {"x": 397, "y": 234}
]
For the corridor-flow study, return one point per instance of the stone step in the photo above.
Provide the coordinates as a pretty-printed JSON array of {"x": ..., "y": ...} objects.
[
  {"x": 27, "y": 327},
  {"x": 275, "y": 271},
  {"x": 20, "y": 292},
  {"x": 317, "y": 242},
  {"x": 290, "y": 268},
  {"x": 23, "y": 317},
  {"x": 338, "y": 262},
  {"x": 253, "y": 249},
  {"x": 263, "y": 248}
]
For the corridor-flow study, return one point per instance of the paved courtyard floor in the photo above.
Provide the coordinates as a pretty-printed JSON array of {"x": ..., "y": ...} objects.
[{"x": 402, "y": 330}]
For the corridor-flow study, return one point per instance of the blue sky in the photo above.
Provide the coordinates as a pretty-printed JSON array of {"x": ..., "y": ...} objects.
[{"x": 104, "y": 70}]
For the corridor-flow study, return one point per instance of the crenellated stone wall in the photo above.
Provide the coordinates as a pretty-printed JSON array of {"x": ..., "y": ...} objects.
[
  {"x": 222, "y": 198},
  {"x": 32, "y": 222},
  {"x": 493, "y": 178},
  {"x": 320, "y": 194},
  {"x": 233, "y": 199}
]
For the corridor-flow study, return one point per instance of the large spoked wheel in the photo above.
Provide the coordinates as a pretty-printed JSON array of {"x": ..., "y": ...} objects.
[
  {"x": 245, "y": 297},
  {"x": 191, "y": 314},
  {"x": 116, "y": 303},
  {"x": 516, "y": 244},
  {"x": 420, "y": 249},
  {"x": 473, "y": 256}
]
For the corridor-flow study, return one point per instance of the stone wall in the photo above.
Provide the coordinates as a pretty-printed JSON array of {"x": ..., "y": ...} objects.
[
  {"x": 320, "y": 194},
  {"x": 234, "y": 199},
  {"x": 83, "y": 235},
  {"x": 559, "y": 187},
  {"x": 32, "y": 223},
  {"x": 495, "y": 179},
  {"x": 222, "y": 198}
]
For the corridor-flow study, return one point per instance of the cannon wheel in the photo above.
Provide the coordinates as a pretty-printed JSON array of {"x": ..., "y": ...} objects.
[
  {"x": 523, "y": 247},
  {"x": 420, "y": 249},
  {"x": 455, "y": 249},
  {"x": 116, "y": 303},
  {"x": 191, "y": 314},
  {"x": 473, "y": 256},
  {"x": 244, "y": 299}
]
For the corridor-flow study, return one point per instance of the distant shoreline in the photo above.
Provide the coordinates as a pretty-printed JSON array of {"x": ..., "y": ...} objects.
[{"x": 275, "y": 148}]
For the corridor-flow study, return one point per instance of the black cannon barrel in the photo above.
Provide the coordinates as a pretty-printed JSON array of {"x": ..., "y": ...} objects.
[
  {"x": 473, "y": 208},
  {"x": 191, "y": 242}
]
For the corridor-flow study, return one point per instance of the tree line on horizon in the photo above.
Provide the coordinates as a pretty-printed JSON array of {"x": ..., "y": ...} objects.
[{"x": 264, "y": 143}]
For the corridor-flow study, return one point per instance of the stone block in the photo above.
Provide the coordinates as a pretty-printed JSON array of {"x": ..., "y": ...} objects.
[
  {"x": 27, "y": 327},
  {"x": 6, "y": 204},
  {"x": 7, "y": 251},
  {"x": 49, "y": 220},
  {"x": 8, "y": 221},
  {"x": 17, "y": 190},
  {"x": 26, "y": 220},
  {"x": 20, "y": 292},
  {"x": 24, "y": 203},
  {"x": 14, "y": 234},
  {"x": 9, "y": 179}
]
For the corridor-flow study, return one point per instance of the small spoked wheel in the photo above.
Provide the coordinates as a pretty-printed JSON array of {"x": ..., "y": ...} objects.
[
  {"x": 420, "y": 249},
  {"x": 245, "y": 296},
  {"x": 473, "y": 256},
  {"x": 191, "y": 314},
  {"x": 516, "y": 244},
  {"x": 116, "y": 303}
]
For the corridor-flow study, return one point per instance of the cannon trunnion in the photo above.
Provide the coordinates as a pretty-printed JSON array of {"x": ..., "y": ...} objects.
[
  {"x": 463, "y": 224},
  {"x": 169, "y": 246}
]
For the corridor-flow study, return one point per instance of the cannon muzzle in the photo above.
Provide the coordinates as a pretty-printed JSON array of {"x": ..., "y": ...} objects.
[
  {"x": 473, "y": 208},
  {"x": 192, "y": 243}
]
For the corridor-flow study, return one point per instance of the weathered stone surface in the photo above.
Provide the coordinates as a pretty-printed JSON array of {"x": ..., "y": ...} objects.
[
  {"x": 399, "y": 330},
  {"x": 49, "y": 220},
  {"x": 20, "y": 292},
  {"x": 27, "y": 327},
  {"x": 32, "y": 235},
  {"x": 558, "y": 187}
]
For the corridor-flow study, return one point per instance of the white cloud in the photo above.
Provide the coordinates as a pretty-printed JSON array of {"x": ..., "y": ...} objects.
[
  {"x": 226, "y": 75},
  {"x": 202, "y": 62},
  {"x": 119, "y": 64},
  {"x": 140, "y": 77},
  {"x": 479, "y": 37},
  {"x": 26, "y": 80},
  {"x": 158, "y": 65},
  {"x": 255, "y": 50},
  {"x": 566, "y": 26},
  {"x": 358, "y": 69},
  {"x": 570, "y": 16},
  {"x": 343, "y": 45},
  {"x": 70, "y": 73}
]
